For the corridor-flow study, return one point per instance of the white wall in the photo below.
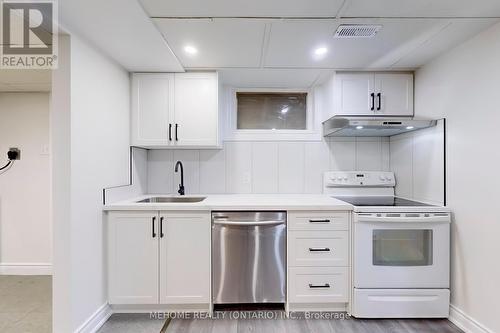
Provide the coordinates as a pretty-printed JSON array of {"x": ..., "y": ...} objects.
[
  {"x": 463, "y": 85},
  {"x": 264, "y": 167},
  {"x": 91, "y": 95},
  {"x": 25, "y": 234}
]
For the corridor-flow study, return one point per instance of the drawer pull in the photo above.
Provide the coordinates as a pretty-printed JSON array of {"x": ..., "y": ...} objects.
[
  {"x": 319, "y": 221},
  {"x": 312, "y": 286},
  {"x": 319, "y": 249}
]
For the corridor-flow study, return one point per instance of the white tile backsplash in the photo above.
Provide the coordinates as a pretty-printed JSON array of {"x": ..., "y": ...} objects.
[
  {"x": 213, "y": 171},
  {"x": 417, "y": 159},
  {"x": 264, "y": 167},
  {"x": 291, "y": 167},
  {"x": 343, "y": 155},
  {"x": 238, "y": 167},
  {"x": 316, "y": 162},
  {"x": 160, "y": 171},
  {"x": 402, "y": 166}
]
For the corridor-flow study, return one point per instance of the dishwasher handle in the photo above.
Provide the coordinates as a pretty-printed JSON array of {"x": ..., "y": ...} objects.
[{"x": 248, "y": 223}]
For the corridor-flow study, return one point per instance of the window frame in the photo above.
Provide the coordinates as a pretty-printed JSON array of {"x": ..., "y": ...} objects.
[{"x": 235, "y": 134}]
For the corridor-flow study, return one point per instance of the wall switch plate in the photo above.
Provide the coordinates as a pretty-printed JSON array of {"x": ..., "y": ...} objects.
[{"x": 45, "y": 149}]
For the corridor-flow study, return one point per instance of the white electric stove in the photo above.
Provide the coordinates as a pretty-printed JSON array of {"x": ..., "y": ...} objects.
[{"x": 401, "y": 248}]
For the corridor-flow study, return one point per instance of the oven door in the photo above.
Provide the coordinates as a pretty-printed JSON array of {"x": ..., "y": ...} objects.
[{"x": 401, "y": 250}]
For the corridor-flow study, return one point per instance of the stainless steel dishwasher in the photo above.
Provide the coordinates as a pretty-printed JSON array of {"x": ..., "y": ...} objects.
[{"x": 248, "y": 257}]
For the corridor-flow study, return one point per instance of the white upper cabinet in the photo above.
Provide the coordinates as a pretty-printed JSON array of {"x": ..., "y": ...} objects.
[
  {"x": 394, "y": 94},
  {"x": 354, "y": 94},
  {"x": 195, "y": 110},
  {"x": 152, "y": 103},
  {"x": 373, "y": 94},
  {"x": 175, "y": 110}
]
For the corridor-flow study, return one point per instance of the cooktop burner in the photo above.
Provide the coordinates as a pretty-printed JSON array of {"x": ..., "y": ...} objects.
[{"x": 380, "y": 201}]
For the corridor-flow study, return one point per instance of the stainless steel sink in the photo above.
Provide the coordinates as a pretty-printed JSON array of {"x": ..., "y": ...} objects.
[{"x": 172, "y": 199}]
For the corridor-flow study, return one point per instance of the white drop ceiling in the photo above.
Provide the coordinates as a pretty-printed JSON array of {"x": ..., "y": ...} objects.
[{"x": 275, "y": 39}]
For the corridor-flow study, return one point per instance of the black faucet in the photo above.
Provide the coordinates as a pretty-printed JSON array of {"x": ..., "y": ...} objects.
[{"x": 181, "y": 185}]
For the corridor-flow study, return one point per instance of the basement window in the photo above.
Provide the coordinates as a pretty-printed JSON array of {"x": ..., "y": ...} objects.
[{"x": 271, "y": 111}]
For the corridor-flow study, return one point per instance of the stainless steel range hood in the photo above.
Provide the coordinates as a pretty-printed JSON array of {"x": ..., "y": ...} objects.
[{"x": 371, "y": 126}]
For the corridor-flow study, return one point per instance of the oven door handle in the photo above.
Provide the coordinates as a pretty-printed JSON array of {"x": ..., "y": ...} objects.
[{"x": 429, "y": 219}]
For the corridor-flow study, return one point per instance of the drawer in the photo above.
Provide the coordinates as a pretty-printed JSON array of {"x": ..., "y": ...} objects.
[
  {"x": 318, "y": 284},
  {"x": 318, "y": 248},
  {"x": 318, "y": 220}
]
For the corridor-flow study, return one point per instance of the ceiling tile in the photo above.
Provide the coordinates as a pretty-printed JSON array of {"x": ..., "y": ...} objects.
[
  {"x": 122, "y": 30},
  {"x": 455, "y": 32},
  {"x": 242, "y": 8},
  {"x": 220, "y": 42},
  {"x": 421, "y": 8},
  {"x": 292, "y": 43}
]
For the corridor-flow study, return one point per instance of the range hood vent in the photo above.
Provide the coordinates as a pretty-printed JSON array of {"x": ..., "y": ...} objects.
[
  {"x": 356, "y": 31},
  {"x": 363, "y": 126}
]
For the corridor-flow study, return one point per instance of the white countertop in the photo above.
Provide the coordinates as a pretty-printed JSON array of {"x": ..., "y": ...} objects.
[{"x": 215, "y": 202}]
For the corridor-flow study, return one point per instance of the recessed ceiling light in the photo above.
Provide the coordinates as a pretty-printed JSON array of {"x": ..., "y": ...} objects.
[
  {"x": 409, "y": 127},
  {"x": 285, "y": 110},
  {"x": 359, "y": 127},
  {"x": 190, "y": 49},
  {"x": 320, "y": 51}
]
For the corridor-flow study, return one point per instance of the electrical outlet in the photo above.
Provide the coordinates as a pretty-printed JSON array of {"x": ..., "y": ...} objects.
[{"x": 14, "y": 154}]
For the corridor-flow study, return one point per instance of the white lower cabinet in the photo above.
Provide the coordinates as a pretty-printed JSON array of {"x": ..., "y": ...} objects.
[
  {"x": 319, "y": 284},
  {"x": 159, "y": 257},
  {"x": 185, "y": 258},
  {"x": 318, "y": 261}
]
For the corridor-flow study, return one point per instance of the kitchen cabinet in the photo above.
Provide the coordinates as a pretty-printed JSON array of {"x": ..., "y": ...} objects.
[
  {"x": 318, "y": 260},
  {"x": 133, "y": 258},
  {"x": 373, "y": 94},
  {"x": 175, "y": 110},
  {"x": 159, "y": 258},
  {"x": 185, "y": 258}
]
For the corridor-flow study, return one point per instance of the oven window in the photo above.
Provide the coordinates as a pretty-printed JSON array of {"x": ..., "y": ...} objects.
[{"x": 402, "y": 247}]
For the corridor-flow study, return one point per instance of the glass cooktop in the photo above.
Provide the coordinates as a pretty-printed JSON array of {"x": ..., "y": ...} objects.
[{"x": 380, "y": 201}]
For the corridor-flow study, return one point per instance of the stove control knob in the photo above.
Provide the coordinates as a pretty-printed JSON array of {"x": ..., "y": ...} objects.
[
  {"x": 345, "y": 178},
  {"x": 382, "y": 178}
]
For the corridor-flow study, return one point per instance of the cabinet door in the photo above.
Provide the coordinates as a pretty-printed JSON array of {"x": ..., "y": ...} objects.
[
  {"x": 196, "y": 109},
  {"x": 185, "y": 258},
  {"x": 394, "y": 94},
  {"x": 353, "y": 94},
  {"x": 133, "y": 257},
  {"x": 152, "y": 102}
]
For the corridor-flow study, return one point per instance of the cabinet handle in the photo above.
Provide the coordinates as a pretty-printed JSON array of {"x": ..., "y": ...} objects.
[
  {"x": 326, "y": 285},
  {"x": 379, "y": 104},
  {"x": 169, "y": 132},
  {"x": 319, "y": 249},
  {"x": 161, "y": 227},
  {"x": 176, "y": 130},
  {"x": 319, "y": 221},
  {"x": 373, "y": 101},
  {"x": 153, "y": 220}
]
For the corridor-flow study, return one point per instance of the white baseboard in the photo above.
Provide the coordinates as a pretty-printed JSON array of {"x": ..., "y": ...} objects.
[
  {"x": 25, "y": 269},
  {"x": 465, "y": 322},
  {"x": 94, "y": 323}
]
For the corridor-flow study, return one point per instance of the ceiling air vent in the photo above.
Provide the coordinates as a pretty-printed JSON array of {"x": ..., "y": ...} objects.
[{"x": 357, "y": 31}]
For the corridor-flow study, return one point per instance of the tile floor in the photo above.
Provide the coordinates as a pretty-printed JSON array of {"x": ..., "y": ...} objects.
[{"x": 25, "y": 304}]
